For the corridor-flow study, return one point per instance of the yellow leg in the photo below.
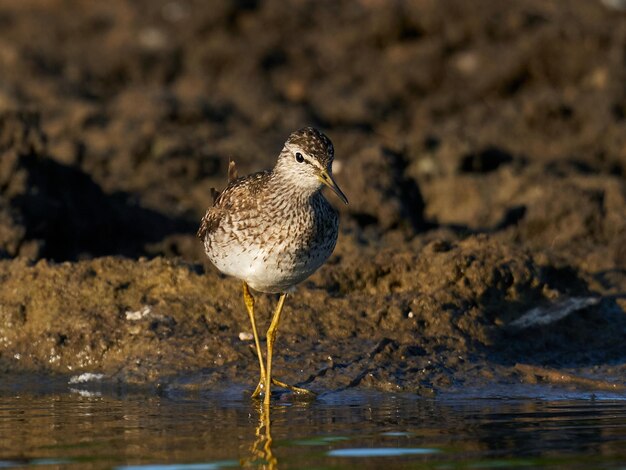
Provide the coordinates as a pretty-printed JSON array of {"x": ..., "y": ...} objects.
[
  {"x": 271, "y": 337},
  {"x": 249, "y": 301}
]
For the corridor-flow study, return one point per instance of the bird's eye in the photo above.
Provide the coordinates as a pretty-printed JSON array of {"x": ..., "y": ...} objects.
[{"x": 299, "y": 157}]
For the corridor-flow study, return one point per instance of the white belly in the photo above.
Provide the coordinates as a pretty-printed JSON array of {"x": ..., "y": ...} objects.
[{"x": 268, "y": 269}]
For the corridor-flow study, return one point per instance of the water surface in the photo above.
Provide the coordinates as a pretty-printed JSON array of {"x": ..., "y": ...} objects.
[{"x": 84, "y": 429}]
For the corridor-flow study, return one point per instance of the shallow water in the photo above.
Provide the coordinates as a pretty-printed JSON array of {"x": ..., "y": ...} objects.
[{"x": 70, "y": 428}]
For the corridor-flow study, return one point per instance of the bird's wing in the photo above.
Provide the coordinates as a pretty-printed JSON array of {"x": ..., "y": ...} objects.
[
  {"x": 232, "y": 171},
  {"x": 239, "y": 195}
]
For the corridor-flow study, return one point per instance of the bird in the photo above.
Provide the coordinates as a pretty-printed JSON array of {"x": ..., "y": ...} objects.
[{"x": 273, "y": 229}]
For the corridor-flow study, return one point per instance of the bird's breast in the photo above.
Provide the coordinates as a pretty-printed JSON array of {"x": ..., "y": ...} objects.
[{"x": 273, "y": 250}]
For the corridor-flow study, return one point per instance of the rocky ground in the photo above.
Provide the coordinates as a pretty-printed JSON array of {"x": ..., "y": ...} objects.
[{"x": 482, "y": 146}]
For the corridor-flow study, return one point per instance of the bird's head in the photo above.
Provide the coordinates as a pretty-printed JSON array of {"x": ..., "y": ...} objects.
[{"x": 307, "y": 160}]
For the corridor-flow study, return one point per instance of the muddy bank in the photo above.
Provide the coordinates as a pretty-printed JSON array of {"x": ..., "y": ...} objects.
[
  {"x": 442, "y": 316},
  {"x": 483, "y": 150}
]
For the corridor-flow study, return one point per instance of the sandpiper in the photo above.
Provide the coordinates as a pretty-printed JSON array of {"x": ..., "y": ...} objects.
[{"x": 273, "y": 229}]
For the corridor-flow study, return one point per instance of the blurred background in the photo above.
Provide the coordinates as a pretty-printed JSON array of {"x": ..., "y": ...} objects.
[{"x": 448, "y": 118}]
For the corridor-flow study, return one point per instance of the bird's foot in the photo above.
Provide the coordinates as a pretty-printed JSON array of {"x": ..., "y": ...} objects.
[
  {"x": 296, "y": 390},
  {"x": 260, "y": 388}
]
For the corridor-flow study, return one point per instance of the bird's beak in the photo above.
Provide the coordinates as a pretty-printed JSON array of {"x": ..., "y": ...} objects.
[{"x": 327, "y": 179}]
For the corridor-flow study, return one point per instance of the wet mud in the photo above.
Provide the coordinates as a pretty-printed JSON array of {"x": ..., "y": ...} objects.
[{"x": 482, "y": 147}]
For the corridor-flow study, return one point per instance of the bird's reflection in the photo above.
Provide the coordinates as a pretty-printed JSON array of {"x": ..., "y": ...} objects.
[{"x": 261, "y": 449}]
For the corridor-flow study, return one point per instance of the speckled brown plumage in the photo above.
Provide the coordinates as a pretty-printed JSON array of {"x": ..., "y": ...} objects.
[
  {"x": 239, "y": 196},
  {"x": 273, "y": 229},
  {"x": 317, "y": 144}
]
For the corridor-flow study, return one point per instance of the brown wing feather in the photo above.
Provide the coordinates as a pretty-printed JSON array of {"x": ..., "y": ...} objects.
[
  {"x": 238, "y": 195},
  {"x": 232, "y": 171}
]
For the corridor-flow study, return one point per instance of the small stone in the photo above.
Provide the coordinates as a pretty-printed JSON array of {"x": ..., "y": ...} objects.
[
  {"x": 139, "y": 314},
  {"x": 245, "y": 336}
]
